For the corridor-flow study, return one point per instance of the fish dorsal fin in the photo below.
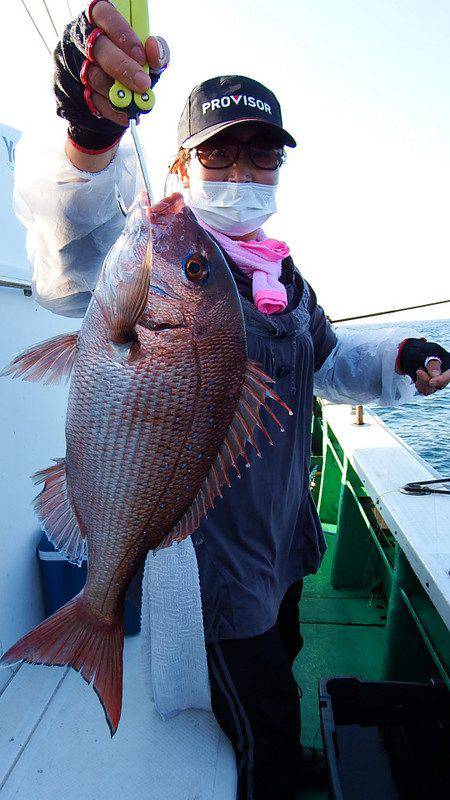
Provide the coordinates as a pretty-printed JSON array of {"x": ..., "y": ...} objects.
[
  {"x": 56, "y": 513},
  {"x": 48, "y": 361},
  {"x": 246, "y": 420}
]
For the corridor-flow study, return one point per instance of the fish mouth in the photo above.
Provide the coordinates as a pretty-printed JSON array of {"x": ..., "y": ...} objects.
[
  {"x": 160, "y": 326},
  {"x": 162, "y": 315},
  {"x": 161, "y": 292}
]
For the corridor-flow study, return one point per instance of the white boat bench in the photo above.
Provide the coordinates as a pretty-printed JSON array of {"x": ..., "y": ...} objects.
[{"x": 55, "y": 743}]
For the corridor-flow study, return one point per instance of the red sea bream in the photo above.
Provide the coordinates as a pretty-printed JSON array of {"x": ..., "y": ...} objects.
[{"x": 162, "y": 405}]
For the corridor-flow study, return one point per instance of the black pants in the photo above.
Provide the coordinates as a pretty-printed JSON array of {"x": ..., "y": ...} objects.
[{"x": 255, "y": 700}]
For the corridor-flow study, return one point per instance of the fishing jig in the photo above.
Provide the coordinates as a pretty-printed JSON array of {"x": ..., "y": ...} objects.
[{"x": 135, "y": 12}]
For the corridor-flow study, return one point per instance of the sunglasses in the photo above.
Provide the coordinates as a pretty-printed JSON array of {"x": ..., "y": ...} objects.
[{"x": 224, "y": 151}]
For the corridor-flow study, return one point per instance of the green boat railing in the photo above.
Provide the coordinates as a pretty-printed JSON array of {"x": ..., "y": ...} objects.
[{"x": 369, "y": 558}]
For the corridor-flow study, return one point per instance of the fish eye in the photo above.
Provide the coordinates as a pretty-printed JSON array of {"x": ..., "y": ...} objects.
[{"x": 196, "y": 268}]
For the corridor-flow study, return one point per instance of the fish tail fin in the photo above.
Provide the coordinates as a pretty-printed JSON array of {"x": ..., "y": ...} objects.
[{"x": 75, "y": 636}]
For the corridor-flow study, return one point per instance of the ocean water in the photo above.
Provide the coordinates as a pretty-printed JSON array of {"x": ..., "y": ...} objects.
[{"x": 425, "y": 422}]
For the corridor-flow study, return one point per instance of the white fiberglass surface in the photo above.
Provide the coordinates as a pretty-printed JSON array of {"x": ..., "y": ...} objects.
[
  {"x": 32, "y": 420},
  {"x": 71, "y": 755}
]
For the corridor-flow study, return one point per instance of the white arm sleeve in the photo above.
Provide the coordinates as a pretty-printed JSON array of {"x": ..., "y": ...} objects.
[
  {"x": 72, "y": 218},
  {"x": 360, "y": 369}
]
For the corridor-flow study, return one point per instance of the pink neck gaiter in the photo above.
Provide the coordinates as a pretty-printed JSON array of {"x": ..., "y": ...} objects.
[{"x": 260, "y": 259}]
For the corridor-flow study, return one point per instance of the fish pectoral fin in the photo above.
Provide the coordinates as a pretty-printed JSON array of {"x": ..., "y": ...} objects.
[
  {"x": 246, "y": 421},
  {"x": 48, "y": 361},
  {"x": 122, "y": 300},
  {"x": 56, "y": 513}
]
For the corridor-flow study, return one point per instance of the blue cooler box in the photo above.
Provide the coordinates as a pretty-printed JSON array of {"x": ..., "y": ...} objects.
[{"x": 62, "y": 580}]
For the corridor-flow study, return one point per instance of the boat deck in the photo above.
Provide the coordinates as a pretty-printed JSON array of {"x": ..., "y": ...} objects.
[
  {"x": 54, "y": 740},
  {"x": 343, "y": 633}
]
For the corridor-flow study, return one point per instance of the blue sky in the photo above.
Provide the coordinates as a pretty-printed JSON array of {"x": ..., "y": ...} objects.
[{"x": 364, "y": 87}]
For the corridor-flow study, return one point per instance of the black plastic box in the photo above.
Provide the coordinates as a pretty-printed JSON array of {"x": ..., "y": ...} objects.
[
  {"x": 386, "y": 740},
  {"x": 62, "y": 580}
]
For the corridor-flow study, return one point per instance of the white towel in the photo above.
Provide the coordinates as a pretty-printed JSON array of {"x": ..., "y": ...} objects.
[{"x": 172, "y": 636}]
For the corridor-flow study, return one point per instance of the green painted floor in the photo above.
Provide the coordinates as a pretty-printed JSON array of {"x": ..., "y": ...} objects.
[{"x": 343, "y": 633}]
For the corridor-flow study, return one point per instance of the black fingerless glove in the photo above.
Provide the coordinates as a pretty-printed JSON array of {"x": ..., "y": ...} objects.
[
  {"x": 412, "y": 354},
  {"x": 88, "y": 130}
]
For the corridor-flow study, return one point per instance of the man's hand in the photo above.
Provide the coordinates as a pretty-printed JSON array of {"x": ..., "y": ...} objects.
[
  {"x": 119, "y": 55},
  {"x": 416, "y": 359}
]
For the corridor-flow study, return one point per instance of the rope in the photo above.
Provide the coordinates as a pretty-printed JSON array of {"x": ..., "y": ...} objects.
[
  {"x": 391, "y": 311},
  {"x": 32, "y": 20},
  {"x": 50, "y": 18},
  {"x": 420, "y": 487}
]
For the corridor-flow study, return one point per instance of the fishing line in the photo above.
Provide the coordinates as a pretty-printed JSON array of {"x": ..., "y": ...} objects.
[
  {"x": 70, "y": 10},
  {"x": 50, "y": 17},
  {"x": 391, "y": 311},
  {"x": 37, "y": 29}
]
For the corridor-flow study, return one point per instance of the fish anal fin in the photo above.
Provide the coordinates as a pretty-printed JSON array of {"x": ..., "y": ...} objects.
[
  {"x": 75, "y": 636},
  {"x": 56, "y": 513},
  {"x": 50, "y": 361},
  {"x": 257, "y": 387}
]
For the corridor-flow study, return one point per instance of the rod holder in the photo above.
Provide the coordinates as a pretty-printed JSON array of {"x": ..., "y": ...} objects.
[{"x": 359, "y": 414}]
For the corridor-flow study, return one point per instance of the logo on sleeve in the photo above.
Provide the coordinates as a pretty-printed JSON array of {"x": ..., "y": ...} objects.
[{"x": 235, "y": 99}]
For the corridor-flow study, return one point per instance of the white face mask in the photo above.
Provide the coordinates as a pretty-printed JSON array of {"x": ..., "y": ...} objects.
[{"x": 232, "y": 208}]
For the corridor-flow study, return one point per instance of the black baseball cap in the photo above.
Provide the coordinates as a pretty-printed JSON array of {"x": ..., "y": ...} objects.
[{"x": 219, "y": 103}]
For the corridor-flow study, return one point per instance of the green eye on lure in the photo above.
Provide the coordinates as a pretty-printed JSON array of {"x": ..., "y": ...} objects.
[{"x": 135, "y": 12}]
